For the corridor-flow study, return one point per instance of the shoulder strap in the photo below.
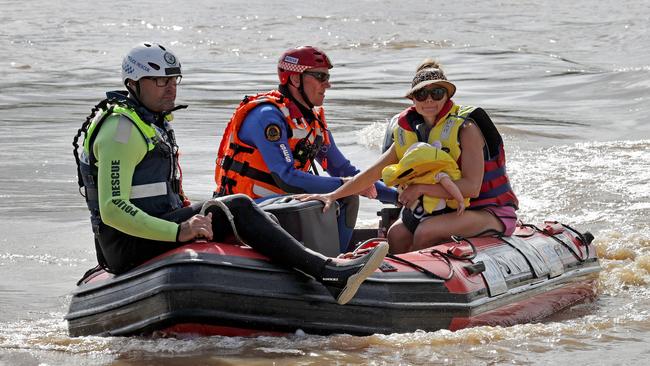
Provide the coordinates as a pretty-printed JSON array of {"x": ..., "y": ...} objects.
[{"x": 84, "y": 130}]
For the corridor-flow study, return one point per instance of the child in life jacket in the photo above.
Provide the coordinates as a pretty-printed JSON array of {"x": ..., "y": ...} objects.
[{"x": 427, "y": 164}]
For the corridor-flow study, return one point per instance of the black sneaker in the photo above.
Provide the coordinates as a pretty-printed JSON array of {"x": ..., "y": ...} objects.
[{"x": 344, "y": 278}]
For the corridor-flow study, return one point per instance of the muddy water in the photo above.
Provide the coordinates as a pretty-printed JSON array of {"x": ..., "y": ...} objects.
[{"x": 566, "y": 82}]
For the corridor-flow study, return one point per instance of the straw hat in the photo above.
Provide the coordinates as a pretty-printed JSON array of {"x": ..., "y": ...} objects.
[{"x": 430, "y": 76}]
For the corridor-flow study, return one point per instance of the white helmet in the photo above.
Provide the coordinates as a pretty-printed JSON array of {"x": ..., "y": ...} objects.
[{"x": 149, "y": 59}]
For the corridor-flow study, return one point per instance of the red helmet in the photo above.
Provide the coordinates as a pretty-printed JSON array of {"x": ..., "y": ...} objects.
[{"x": 297, "y": 60}]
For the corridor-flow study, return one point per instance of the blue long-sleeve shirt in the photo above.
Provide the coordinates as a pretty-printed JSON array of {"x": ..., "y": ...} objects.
[{"x": 279, "y": 159}]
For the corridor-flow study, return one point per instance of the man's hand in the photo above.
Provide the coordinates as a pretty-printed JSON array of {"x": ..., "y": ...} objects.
[{"x": 198, "y": 226}]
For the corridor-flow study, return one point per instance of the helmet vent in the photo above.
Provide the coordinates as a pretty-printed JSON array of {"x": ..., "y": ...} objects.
[
  {"x": 147, "y": 44},
  {"x": 155, "y": 66},
  {"x": 162, "y": 48}
]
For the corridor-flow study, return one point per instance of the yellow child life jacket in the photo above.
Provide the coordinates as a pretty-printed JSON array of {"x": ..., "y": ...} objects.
[{"x": 420, "y": 165}]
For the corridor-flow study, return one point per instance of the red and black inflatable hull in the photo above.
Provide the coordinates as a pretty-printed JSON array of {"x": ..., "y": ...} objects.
[{"x": 215, "y": 288}]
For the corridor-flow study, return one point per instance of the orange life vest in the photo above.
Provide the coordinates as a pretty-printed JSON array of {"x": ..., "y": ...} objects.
[
  {"x": 240, "y": 167},
  {"x": 495, "y": 189}
]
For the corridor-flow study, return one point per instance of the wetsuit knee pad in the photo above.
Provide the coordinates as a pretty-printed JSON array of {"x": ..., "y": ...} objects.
[{"x": 238, "y": 200}]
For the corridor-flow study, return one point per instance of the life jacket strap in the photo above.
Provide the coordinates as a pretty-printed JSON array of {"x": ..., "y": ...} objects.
[
  {"x": 91, "y": 194},
  {"x": 239, "y": 148},
  {"x": 496, "y": 191},
  {"x": 493, "y": 174},
  {"x": 246, "y": 170},
  {"x": 225, "y": 188}
]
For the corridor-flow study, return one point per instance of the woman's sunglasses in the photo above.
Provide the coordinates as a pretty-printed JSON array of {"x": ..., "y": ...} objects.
[
  {"x": 436, "y": 94},
  {"x": 320, "y": 76}
]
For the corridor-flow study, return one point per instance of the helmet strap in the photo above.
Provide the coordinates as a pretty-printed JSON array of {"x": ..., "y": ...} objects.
[
  {"x": 135, "y": 94},
  {"x": 137, "y": 90},
  {"x": 307, "y": 111},
  {"x": 304, "y": 96},
  {"x": 142, "y": 110}
]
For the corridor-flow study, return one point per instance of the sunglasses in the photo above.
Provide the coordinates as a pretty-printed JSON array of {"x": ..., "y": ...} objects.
[
  {"x": 162, "y": 81},
  {"x": 436, "y": 94},
  {"x": 320, "y": 76}
]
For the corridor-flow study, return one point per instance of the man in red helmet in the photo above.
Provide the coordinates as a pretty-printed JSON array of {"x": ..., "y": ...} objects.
[{"x": 274, "y": 138}]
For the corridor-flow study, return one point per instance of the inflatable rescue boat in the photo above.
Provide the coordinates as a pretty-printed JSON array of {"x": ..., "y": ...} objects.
[{"x": 228, "y": 289}]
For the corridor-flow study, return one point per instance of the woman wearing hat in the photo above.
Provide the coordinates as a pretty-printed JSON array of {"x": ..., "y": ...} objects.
[{"x": 470, "y": 137}]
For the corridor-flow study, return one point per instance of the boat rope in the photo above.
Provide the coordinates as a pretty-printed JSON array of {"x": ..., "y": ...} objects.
[
  {"x": 366, "y": 246},
  {"x": 231, "y": 218},
  {"x": 580, "y": 236},
  {"x": 89, "y": 273},
  {"x": 424, "y": 270},
  {"x": 458, "y": 239},
  {"x": 446, "y": 256}
]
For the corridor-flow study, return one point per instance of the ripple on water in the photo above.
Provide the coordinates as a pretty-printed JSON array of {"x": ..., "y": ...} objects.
[{"x": 47, "y": 337}]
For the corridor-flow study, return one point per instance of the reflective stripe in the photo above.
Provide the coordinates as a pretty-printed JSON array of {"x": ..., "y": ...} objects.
[
  {"x": 300, "y": 133},
  {"x": 446, "y": 129},
  {"x": 123, "y": 131},
  {"x": 285, "y": 111},
  {"x": 262, "y": 192},
  {"x": 149, "y": 190},
  {"x": 83, "y": 157}
]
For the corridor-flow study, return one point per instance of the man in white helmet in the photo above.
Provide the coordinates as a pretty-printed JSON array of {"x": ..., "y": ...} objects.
[{"x": 128, "y": 169}]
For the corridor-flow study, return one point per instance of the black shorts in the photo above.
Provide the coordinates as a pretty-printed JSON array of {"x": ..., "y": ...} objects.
[{"x": 412, "y": 219}]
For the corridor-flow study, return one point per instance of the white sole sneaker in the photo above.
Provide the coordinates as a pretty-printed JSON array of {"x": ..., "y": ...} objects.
[{"x": 354, "y": 281}]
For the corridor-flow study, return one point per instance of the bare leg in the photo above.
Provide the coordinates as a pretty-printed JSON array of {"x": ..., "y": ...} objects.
[
  {"x": 399, "y": 238},
  {"x": 442, "y": 227}
]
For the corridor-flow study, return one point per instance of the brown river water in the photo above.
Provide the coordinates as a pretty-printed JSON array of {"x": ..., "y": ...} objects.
[{"x": 567, "y": 83}]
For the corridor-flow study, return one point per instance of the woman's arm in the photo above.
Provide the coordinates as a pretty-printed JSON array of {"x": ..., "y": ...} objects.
[
  {"x": 357, "y": 183},
  {"x": 471, "y": 144}
]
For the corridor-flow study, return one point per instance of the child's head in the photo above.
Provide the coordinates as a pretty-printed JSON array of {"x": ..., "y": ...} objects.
[{"x": 416, "y": 145}]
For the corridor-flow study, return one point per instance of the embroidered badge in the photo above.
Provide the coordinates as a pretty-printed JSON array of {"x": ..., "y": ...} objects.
[
  {"x": 169, "y": 58},
  {"x": 273, "y": 132},
  {"x": 401, "y": 138},
  {"x": 446, "y": 130},
  {"x": 291, "y": 60}
]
